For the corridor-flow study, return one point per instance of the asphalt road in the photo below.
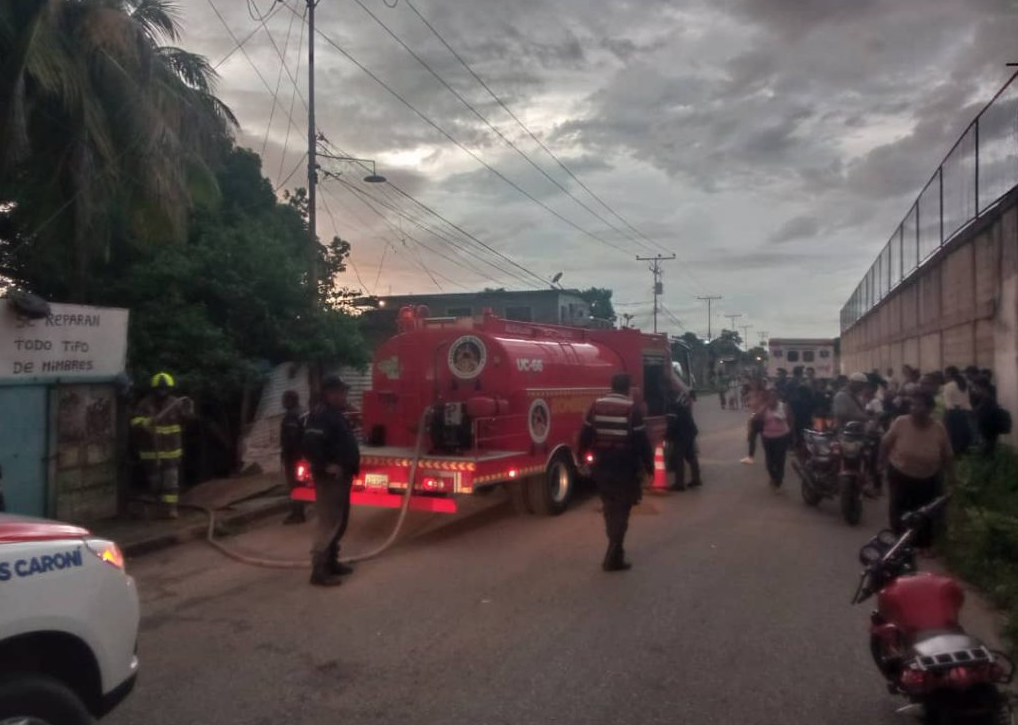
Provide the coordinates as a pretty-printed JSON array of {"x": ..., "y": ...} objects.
[{"x": 736, "y": 611}]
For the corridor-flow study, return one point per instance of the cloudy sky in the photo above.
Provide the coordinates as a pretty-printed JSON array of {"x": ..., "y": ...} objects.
[{"x": 772, "y": 145}]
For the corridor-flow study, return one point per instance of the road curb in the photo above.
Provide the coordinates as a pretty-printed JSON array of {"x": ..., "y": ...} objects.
[{"x": 197, "y": 531}]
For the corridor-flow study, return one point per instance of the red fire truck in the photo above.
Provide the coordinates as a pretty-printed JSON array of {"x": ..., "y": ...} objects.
[{"x": 504, "y": 401}]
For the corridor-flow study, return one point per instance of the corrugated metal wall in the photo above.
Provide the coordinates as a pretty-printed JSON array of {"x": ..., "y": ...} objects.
[{"x": 260, "y": 446}]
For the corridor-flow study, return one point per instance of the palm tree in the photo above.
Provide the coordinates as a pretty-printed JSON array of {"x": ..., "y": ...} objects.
[{"x": 108, "y": 131}]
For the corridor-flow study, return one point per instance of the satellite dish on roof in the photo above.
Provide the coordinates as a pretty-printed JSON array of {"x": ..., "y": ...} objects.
[{"x": 556, "y": 278}]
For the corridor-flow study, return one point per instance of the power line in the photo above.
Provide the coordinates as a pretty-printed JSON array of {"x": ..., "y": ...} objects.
[
  {"x": 292, "y": 172},
  {"x": 674, "y": 318},
  {"x": 462, "y": 231},
  {"x": 492, "y": 127},
  {"x": 335, "y": 229},
  {"x": 522, "y": 125},
  {"x": 709, "y": 299},
  {"x": 292, "y": 124},
  {"x": 462, "y": 146},
  {"x": 239, "y": 44},
  {"x": 279, "y": 77},
  {"x": 293, "y": 96},
  {"x": 439, "y": 236},
  {"x": 403, "y": 235},
  {"x": 240, "y": 47}
]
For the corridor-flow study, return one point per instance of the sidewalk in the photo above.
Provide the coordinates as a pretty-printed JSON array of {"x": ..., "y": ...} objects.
[{"x": 237, "y": 501}]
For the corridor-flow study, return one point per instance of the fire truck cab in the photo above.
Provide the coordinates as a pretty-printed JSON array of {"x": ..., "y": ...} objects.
[{"x": 505, "y": 402}]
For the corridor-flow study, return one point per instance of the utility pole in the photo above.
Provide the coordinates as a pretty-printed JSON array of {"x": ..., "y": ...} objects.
[
  {"x": 733, "y": 318},
  {"x": 745, "y": 334},
  {"x": 763, "y": 337},
  {"x": 709, "y": 299},
  {"x": 655, "y": 267},
  {"x": 312, "y": 162}
]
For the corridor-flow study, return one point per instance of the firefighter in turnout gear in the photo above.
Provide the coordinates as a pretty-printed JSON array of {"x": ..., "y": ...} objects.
[
  {"x": 159, "y": 421},
  {"x": 331, "y": 449},
  {"x": 614, "y": 440}
]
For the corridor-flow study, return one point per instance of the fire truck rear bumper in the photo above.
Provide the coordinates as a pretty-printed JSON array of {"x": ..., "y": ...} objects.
[{"x": 435, "y": 504}]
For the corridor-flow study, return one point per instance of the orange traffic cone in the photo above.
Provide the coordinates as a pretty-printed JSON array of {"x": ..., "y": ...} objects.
[{"x": 660, "y": 482}]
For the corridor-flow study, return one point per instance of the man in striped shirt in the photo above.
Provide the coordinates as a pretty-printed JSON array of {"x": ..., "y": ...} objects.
[{"x": 614, "y": 441}]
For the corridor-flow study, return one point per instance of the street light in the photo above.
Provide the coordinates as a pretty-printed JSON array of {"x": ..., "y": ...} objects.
[{"x": 373, "y": 178}]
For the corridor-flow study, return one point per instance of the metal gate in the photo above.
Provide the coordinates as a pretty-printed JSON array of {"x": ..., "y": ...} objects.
[{"x": 23, "y": 433}]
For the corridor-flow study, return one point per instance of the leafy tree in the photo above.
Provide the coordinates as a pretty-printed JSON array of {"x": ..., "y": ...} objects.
[
  {"x": 234, "y": 296},
  {"x": 600, "y": 301},
  {"x": 107, "y": 135}
]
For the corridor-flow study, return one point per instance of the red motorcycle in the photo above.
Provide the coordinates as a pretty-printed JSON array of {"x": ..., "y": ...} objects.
[{"x": 917, "y": 641}]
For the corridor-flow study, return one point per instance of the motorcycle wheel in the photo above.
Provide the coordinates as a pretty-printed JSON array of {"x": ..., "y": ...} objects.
[
  {"x": 809, "y": 494},
  {"x": 887, "y": 664},
  {"x": 982, "y": 705},
  {"x": 851, "y": 502}
]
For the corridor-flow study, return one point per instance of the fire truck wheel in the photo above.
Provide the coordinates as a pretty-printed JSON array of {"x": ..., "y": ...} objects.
[
  {"x": 519, "y": 495},
  {"x": 550, "y": 494}
]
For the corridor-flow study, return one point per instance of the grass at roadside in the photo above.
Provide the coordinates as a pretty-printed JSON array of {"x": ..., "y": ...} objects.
[{"x": 982, "y": 535}]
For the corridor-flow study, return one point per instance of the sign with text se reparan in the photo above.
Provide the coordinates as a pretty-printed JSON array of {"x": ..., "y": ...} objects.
[{"x": 75, "y": 342}]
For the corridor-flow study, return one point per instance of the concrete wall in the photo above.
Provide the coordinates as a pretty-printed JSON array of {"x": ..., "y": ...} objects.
[{"x": 960, "y": 308}]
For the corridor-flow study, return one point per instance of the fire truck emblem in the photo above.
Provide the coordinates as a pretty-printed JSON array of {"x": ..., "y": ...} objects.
[
  {"x": 539, "y": 421},
  {"x": 390, "y": 367},
  {"x": 467, "y": 357}
]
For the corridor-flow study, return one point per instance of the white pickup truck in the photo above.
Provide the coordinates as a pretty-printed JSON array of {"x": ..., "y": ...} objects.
[{"x": 68, "y": 624}]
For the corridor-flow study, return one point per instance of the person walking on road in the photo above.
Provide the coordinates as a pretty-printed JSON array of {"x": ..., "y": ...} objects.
[
  {"x": 756, "y": 400},
  {"x": 159, "y": 428},
  {"x": 332, "y": 451},
  {"x": 681, "y": 436},
  {"x": 776, "y": 425},
  {"x": 847, "y": 405},
  {"x": 291, "y": 449},
  {"x": 614, "y": 439},
  {"x": 916, "y": 453}
]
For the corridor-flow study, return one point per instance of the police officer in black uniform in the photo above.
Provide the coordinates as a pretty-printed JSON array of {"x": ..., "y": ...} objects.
[
  {"x": 681, "y": 436},
  {"x": 332, "y": 451},
  {"x": 614, "y": 438}
]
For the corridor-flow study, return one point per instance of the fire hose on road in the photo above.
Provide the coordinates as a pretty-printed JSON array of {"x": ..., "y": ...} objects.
[{"x": 210, "y": 535}]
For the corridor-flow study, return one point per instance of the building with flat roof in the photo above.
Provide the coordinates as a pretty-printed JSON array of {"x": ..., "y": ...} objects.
[{"x": 550, "y": 306}]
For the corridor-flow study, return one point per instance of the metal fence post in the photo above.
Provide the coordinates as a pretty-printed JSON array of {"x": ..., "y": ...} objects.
[
  {"x": 940, "y": 176},
  {"x": 977, "y": 166}
]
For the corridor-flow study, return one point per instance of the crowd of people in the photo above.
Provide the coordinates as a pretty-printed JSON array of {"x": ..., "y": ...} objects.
[{"x": 924, "y": 421}]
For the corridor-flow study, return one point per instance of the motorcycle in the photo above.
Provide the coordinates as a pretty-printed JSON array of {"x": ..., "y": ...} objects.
[
  {"x": 916, "y": 639},
  {"x": 835, "y": 465}
]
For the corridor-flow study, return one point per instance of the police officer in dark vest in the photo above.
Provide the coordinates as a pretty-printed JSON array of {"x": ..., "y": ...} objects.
[
  {"x": 614, "y": 440},
  {"x": 332, "y": 451}
]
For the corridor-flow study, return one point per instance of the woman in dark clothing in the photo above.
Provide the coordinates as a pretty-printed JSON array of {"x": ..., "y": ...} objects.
[
  {"x": 991, "y": 421},
  {"x": 957, "y": 410}
]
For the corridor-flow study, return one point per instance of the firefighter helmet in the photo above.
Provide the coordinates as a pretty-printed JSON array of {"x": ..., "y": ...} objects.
[{"x": 162, "y": 380}]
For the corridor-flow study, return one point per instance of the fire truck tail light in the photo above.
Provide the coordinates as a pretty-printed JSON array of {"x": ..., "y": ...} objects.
[
  {"x": 434, "y": 484},
  {"x": 302, "y": 472},
  {"x": 589, "y": 458},
  {"x": 513, "y": 473},
  {"x": 107, "y": 551}
]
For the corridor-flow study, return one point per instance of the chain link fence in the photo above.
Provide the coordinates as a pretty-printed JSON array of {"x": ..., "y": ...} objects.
[{"x": 977, "y": 173}]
